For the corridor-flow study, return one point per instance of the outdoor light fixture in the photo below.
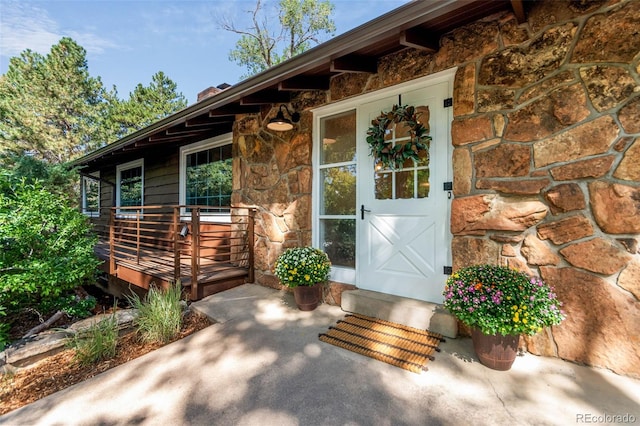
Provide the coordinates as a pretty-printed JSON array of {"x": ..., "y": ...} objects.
[
  {"x": 281, "y": 124},
  {"x": 184, "y": 231}
]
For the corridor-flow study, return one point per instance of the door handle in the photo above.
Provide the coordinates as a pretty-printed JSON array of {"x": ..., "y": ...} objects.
[{"x": 362, "y": 210}]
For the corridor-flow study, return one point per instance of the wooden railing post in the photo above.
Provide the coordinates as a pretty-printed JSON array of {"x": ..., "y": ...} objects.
[
  {"x": 250, "y": 241},
  {"x": 138, "y": 237},
  {"x": 112, "y": 255},
  {"x": 195, "y": 251},
  {"x": 176, "y": 244}
]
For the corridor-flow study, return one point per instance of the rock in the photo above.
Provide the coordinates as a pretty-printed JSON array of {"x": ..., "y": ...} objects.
[
  {"x": 607, "y": 86},
  {"x": 474, "y": 251},
  {"x": 565, "y": 197},
  {"x": 516, "y": 187},
  {"x": 629, "y": 167},
  {"x": 629, "y": 116},
  {"x": 517, "y": 66},
  {"x": 631, "y": 244},
  {"x": 592, "y": 138},
  {"x": 600, "y": 41},
  {"x": 629, "y": 278},
  {"x": 550, "y": 114},
  {"x": 601, "y": 326},
  {"x": 492, "y": 212},
  {"x": 496, "y": 99},
  {"x": 505, "y": 160},
  {"x": 464, "y": 90},
  {"x": 615, "y": 207},
  {"x": 462, "y": 171},
  {"x": 565, "y": 230},
  {"x": 504, "y": 238},
  {"x": 468, "y": 130},
  {"x": 547, "y": 86},
  {"x": 596, "y": 255},
  {"x": 124, "y": 317},
  {"x": 591, "y": 168},
  {"x": 541, "y": 343},
  {"x": 34, "y": 348},
  {"x": 537, "y": 252}
]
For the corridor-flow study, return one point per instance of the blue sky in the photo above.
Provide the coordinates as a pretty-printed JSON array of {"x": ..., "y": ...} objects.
[{"x": 128, "y": 41}]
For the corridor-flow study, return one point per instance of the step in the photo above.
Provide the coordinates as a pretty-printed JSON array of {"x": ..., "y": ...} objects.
[{"x": 411, "y": 312}]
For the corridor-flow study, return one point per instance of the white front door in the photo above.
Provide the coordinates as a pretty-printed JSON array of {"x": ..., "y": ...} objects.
[{"x": 403, "y": 237}]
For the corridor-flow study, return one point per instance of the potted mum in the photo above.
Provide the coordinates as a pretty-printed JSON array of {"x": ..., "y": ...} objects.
[
  {"x": 499, "y": 304},
  {"x": 303, "y": 269}
]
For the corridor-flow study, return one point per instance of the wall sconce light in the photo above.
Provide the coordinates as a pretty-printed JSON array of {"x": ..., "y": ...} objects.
[
  {"x": 281, "y": 124},
  {"x": 184, "y": 231}
]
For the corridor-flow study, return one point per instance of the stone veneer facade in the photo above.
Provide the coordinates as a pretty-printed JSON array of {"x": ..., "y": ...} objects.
[{"x": 546, "y": 164}]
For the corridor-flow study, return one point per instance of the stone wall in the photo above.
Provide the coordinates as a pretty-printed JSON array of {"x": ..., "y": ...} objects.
[{"x": 546, "y": 164}]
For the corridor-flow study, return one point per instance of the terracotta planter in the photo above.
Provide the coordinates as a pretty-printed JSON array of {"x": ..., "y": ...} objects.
[
  {"x": 495, "y": 351},
  {"x": 307, "y": 297}
]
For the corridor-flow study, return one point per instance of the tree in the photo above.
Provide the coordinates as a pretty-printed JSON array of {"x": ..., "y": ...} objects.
[
  {"x": 50, "y": 106},
  {"x": 146, "y": 105},
  {"x": 52, "y": 109},
  {"x": 301, "y": 21}
]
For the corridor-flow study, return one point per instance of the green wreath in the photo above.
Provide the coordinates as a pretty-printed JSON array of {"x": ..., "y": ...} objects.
[{"x": 383, "y": 151}]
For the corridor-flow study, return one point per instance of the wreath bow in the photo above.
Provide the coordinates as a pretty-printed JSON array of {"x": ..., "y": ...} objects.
[{"x": 384, "y": 151}]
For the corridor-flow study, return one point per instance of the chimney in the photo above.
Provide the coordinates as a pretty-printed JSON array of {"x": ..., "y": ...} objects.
[
  {"x": 208, "y": 92},
  {"x": 212, "y": 91}
]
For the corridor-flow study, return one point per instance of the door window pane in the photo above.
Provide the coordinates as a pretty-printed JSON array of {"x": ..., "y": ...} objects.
[
  {"x": 412, "y": 181},
  {"x": 338, "y": 138},
  {"x": 339, "y": 190},
  {"x": 338, "y": 240}
]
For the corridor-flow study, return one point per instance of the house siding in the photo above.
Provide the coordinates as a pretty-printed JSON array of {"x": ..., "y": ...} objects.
[{"x": 546, "y": 147}]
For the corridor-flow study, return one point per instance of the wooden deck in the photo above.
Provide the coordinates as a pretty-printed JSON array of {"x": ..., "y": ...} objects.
[{"x": 159, "y": 245}]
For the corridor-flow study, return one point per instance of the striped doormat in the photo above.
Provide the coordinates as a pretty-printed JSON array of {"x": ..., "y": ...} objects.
[{"x": 396, "y": 344}]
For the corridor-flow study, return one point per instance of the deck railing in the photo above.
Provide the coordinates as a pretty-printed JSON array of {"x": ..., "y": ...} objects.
[{"x": 184, "y": 241}]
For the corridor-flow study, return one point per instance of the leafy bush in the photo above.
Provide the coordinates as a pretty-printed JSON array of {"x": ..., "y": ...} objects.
[
  {"x": 498, "y": 299},
  {"x": 46, "y": 246},
  {"x": 302, "y": 266},
  {"x": 160, "y": 314},
  {"x": 98, "y": 342}
]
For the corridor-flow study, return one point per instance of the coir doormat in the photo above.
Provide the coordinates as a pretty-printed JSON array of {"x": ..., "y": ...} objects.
[{"x": 396, "y": 344}]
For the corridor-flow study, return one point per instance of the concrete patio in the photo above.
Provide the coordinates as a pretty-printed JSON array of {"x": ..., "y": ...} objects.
[{"x": 262, "y": 364}]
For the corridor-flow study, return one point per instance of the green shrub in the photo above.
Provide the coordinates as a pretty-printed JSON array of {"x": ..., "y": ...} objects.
[
  {"x": 46, "y": 244},
  {"x": 98, "y": 342},
  {"x": 160, "y": 314}
]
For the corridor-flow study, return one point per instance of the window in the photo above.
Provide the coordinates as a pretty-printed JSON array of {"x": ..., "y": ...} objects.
[
  {"x": 206, "y": 177},
  {"x": 130, "y": 184},
  {"x": 337, "y": 185},
  {"x": 91, "y": 195},
  {"x": 413, "y": 180}
]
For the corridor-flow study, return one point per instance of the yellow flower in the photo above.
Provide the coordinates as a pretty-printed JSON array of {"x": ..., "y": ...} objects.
[{"x": 307, "y": 277}]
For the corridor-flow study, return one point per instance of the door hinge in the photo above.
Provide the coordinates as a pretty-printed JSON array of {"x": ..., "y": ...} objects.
[
  {"x": 448, "y": 102},
  {"x": 448, "y": 270},
  {"x": 447, "y": 186}
]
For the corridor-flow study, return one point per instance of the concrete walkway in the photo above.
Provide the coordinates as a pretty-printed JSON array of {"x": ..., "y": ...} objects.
[{"x": 262, "y": 364}]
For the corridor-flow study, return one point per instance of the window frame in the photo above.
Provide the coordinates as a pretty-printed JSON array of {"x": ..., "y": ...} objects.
[
  {"x": 124, "y": 167},
  {"x": 215, "y": 142},
  {"x": 85, "y": 179}
]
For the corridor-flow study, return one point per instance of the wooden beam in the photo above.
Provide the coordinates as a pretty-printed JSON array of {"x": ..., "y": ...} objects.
[
  {"x": 518, "y": 10},
  {"x": 205, "y": 120},
  {"x": 266, "y": 97},
  {"x": 419, "y": 39},
  {"x": 231, "y": 110},
  {"x": 303, "y": 83},
  {"x": 355, "y": 63}
]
